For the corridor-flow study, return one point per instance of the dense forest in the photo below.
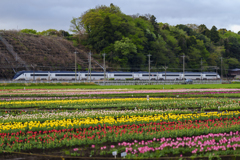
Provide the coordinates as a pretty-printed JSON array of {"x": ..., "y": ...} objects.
[{"x": 127, "y": 41}]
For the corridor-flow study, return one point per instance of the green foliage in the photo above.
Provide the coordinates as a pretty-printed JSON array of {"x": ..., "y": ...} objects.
[
  {"x": 63, "y": 33},
  {"x": 79, "y": 67},
  {"x": 76, "y": 25},
  {"x": 233, "y": 62},
  {"x": 125, "y": 46},
  {"x": 214, "y": 34},
  {"x": 128, "y": 39},
  {"x": 49, "y": 32},
  {"x": 29, "y": 31}
]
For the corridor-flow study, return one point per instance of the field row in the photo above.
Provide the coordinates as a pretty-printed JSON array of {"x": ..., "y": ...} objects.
[
  {"x": 153, "y": 137},
  {"x": 131, "y": 127},
  {"x": 193, "y": 104}
]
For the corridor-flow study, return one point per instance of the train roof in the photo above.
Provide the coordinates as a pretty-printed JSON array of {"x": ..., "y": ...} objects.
[
  {"x": 20, "y": 72},
  {"x": 236, "y": 69}
]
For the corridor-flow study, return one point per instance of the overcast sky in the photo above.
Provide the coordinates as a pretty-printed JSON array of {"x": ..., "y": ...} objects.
[{"x": 57, "y": 14}]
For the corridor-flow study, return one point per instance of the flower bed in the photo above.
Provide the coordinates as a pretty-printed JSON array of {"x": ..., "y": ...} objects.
[
  {"x": 98, "y": 135},
  {"x": 156, "y": 128},
  {"x": 113, "y": 92},
  {"x": 125, "y": 103}
]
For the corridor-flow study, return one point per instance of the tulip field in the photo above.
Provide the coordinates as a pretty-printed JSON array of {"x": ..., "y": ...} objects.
[{"x": 121, "y": 127}]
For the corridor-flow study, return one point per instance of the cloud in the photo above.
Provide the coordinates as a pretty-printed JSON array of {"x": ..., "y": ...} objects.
[
  {"x": 234, "y": 28},
  {"x": 57, "y": 14}
]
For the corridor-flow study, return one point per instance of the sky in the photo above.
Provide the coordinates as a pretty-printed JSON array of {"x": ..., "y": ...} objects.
[{"x": 57, "y": 14}]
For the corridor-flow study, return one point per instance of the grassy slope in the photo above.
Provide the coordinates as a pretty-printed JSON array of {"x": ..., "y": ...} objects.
[{"x": 190, "y": 86}]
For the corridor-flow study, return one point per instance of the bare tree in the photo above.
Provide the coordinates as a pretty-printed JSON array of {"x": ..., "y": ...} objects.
[{"x": 77, "y": 26}]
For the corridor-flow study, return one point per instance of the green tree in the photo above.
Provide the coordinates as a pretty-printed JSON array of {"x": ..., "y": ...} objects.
[
  {"x": 233, "y": 63},
  {"x": 63, "y": 33},
  {"x": 203, "y": 29},
  {"x": 49, "y": 32},
  {"x": 125, "y": 46},
  {"x": 214, "y": 35},
  {"x": 108, "y": 30},
  {"x": 222, "y": 31},
  {"x": 154, "y": 24},
  {"x": 123, "y": 50},
  {"x": 188, "y": 30},
  {"x": 29, "y": 31},
  {"x": 77, "y": 26}
]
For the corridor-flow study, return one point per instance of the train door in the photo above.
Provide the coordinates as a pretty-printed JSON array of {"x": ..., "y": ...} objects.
[
  {"x": 181, "y": 76},
  {"x": 136, "y": 76},
  {"x": 111, "y": 75},
  {"x": 49, "y": 76},
  {"x": 107, "y": 76},
  {"x": 83, "y": 76},
  {"x": 79, "y": 76}
]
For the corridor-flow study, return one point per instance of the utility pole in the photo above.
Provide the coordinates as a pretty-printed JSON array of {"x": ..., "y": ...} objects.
[
  {"x": 104, "y": 54},
  {"x": 201, "y": 68},
  {"x": 165, "y": 70},
  {"x": 216, "y": 70},
  {"x": 183, "y": 65},
  {"x": 33, "y": 72},
  {"x": 90, "y": 65},
  {"x": 221, "y": 68},
  {"x": 149, "y": 55},
  {"x": 75, "y": 66}
]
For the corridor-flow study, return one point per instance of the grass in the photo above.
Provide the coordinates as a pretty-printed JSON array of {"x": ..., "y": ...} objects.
[{"x": 81, "y": 86}]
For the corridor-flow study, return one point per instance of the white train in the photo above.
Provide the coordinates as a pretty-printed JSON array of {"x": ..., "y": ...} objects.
[{"x": 67, "y": 75}]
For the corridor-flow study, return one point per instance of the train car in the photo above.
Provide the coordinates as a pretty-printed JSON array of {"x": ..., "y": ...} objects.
[
  {"x": 172, "y": 75},
  {"x": 210, "y": 75},
  {"x": 45, "y": 75},
  {"x": 31, "y": 75},
  {"x": 200, "y": 76},
  {"x": 146, "y": 76},
  {"x": 68, "y": 75}
]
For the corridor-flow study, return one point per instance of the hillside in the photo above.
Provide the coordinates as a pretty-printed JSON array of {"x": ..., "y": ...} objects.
[
  {"x": 20, "y": 51},
  {"x": 129, "y": 39}
]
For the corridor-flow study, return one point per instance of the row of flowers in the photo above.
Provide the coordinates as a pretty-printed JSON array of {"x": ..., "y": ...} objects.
[
  {"x": 197, "y": 93},
  {"x": 36, "y": 98},
  {"x": 169, "y": 146},
  {"x": 124, "y": 103},
  {"x": 59, "y": 115},
  {"x": 79, "y": 101},
  {"x": 96, "y": 92},
  {"x": 19, "y": 141},
  {"x": 110, "y": 120}
]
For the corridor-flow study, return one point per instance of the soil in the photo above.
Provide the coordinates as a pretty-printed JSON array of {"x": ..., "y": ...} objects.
[{"x": 46, "y": 53}]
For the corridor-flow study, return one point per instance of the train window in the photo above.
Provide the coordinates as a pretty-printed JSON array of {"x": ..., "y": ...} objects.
[
  {"x": 211, "y": 75},
  {"x": 124, "y": 75},
  {"x": 192, "y": 75},
  {"x": 38, "y": 75},
  {"x": 172, "y": 75},
  {"x": 66, "y": 75},
  {"x": 150, "y": 75},
  {"x": 94, "y": 74}
]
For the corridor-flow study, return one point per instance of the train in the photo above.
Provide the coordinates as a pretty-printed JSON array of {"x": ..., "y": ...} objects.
[{"x": 84, "y": 75}]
